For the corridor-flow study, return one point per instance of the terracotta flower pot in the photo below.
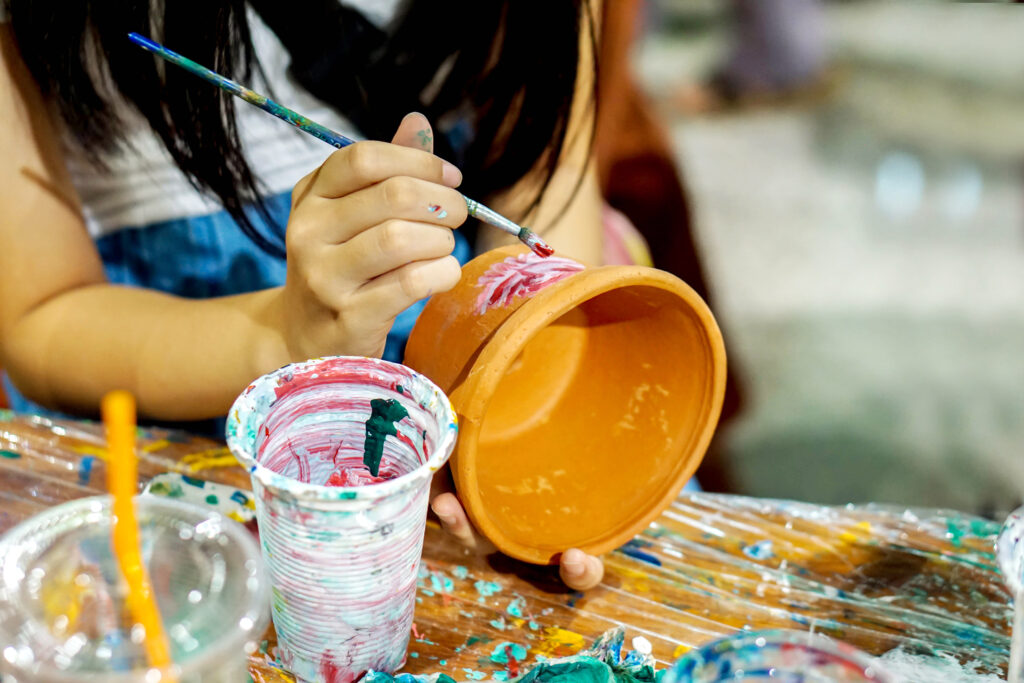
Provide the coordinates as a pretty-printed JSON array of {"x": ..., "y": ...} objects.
[{"x": 586, "y": 396}]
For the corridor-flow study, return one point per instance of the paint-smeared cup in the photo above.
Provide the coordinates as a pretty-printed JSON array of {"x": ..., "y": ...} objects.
[
  {"x": 779, "y": 655},
  {"x": 63, "y": 613},
  {"x": 343, "y": 560}
]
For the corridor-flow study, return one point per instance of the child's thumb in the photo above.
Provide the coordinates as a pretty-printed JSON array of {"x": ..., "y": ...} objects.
[{"x": 415, "y": 131}]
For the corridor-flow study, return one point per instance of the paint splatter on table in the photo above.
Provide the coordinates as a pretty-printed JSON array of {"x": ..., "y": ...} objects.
[{"x": 876, "y": 577}]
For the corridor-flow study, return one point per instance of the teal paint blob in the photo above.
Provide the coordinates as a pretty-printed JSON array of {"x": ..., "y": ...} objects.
[
  {"x": 443, "y": 662},
  {"x": 9, "y": 454},
  {"x": 515, "y": 608},
  {"x": 500, "y": 676},
  {"x": 460, "y": 572},
  {"x": 441, "y": 583},
  {"x": 498, "y": 623},
  {"x": 384, "y": 413},
  {"x": 474, "y": 675},
  {"x": 414, "y": 655},
  {"x": 487, "y": 588},
  {"x": 502, "y": 652}
]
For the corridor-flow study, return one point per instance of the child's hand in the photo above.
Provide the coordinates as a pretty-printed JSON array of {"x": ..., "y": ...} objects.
[
  {"x": 370, "y": 233},
  {"x": 578, "y": 570}
]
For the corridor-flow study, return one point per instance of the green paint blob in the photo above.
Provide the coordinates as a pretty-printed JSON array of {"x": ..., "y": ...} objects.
[
  {"x": 9, "y": 454},
  {"x": 384, "y": 413},
  {"x": 170, "y": 491},
  {"x": 212, "y": 499}
]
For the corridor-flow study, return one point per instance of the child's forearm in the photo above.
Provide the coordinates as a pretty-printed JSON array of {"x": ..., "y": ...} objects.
[{"x": 183, "y": 359}]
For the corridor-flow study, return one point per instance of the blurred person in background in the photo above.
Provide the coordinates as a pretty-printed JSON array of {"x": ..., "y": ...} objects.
[{"x": 778, "y": 55}]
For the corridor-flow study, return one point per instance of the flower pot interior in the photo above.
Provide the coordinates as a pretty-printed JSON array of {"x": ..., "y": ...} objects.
[{"x": 596, "y": 423}]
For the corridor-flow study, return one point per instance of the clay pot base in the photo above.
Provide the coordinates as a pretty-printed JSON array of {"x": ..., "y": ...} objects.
[{"x": 583, "y": 412}]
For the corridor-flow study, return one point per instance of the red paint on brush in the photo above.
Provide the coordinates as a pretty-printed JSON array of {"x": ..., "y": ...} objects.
[{"x": 542, "y": 249}]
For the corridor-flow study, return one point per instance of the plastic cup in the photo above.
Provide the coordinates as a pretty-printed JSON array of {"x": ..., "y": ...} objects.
[
  {"x": 343, "y": 560},
  {"x": 777, "y": 657},
  {"x": 63, "y": 615}
]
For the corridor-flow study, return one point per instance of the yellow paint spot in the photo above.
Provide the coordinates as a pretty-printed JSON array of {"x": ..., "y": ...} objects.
[
  {"x": 680, "y": 651},
  {"x": 205, "y": 460},
  {"x": 237, "y": 517},
  {"x": 95, "y": 451},
  {"x": 849, "y": 536},
  {"x": 155, "y": 446},
  {"x": 559, "y": 643}
]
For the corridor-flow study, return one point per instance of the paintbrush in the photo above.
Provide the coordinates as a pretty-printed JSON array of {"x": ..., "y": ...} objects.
[{"x": 476, "y": 209}]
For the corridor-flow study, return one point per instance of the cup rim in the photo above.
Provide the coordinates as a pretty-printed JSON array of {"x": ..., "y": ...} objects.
[
  {"x": 232, "y": 639},
  {"x": 241, "y": 445}
]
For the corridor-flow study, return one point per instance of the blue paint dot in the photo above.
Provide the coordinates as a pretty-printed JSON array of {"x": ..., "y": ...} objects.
[
  {"x": 85, "y": 470},
  {"x": 762, "y": 550}
]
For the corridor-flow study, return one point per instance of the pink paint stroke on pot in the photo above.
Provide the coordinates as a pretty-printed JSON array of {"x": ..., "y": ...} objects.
[
  {"x": 342, "y": 547},
  {"x": 521, "y": 276}
]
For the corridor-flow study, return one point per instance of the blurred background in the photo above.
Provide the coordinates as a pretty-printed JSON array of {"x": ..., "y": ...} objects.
[{"x": 861, "y": 228}]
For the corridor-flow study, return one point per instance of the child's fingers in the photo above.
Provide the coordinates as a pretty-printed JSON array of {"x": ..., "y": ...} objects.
[
  {"x": 411, "y": 199},
  {"x": 393, "y": 292},
  {"x": 366, "y": 163},
  {"x": 415, "y": 132},
  {"x": 580, "y": 571},
  {"x": 388, "y": 246},
  {"x": 454, "y": 521}
]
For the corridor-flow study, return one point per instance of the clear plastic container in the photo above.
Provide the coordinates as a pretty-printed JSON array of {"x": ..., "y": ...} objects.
[
  {"x": 63, "y": 615},
  {"x": 777, "y": 657}
]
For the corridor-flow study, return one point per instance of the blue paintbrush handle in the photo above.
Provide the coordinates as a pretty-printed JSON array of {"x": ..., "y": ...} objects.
[
  {"x": 481, "y": 212},
  {"x": 251, "y": 96}
]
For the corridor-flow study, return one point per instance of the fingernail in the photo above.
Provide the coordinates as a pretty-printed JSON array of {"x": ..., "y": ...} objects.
[{"x": 451, "y": 175}]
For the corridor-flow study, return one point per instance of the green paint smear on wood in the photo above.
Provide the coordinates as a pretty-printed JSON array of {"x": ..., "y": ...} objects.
[
  {"x": 384, "y": 413},
  {"x": 9, "y": 454}
]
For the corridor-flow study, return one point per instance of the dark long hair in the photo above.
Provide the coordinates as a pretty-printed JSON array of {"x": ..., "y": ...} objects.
[{"x": 496, "y": 77}]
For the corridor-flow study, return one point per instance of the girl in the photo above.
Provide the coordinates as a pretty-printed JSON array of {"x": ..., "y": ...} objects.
[{"x": 154, "y": 238}]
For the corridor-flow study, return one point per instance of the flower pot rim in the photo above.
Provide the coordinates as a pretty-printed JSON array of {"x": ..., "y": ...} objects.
[{"x": 511, "y": 337}]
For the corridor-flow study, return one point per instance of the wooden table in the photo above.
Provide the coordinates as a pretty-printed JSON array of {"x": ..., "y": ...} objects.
[{"x": 876, "y": 577}]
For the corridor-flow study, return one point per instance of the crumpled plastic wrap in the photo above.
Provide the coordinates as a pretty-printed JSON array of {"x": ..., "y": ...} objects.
[{"x": 877, "y": 577}]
